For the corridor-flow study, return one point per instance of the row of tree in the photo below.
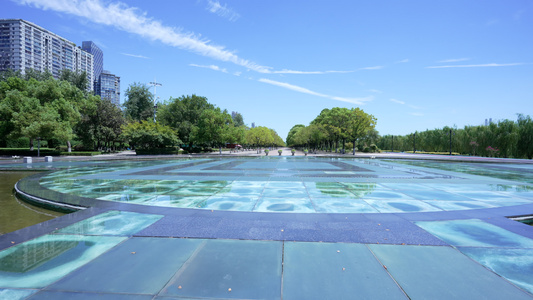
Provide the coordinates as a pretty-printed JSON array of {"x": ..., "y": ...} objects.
[
  {"x": 505, "y": 138},
  {"x": 334, "y": 126},
  {"x": 36, "y": 106},
  {"x": 195, "y": 122}
]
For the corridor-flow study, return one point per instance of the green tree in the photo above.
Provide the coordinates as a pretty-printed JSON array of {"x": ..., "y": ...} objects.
[
  {"x": 183, "y": 114},
  {"x": 290, "y": 136},
  {"x": 213, "y": 128},
  {"x": 78, "y": 79},
  {"x": 149, "y": 135},
  {"x": 237, "y": 119},
  {"x": 259, "y": 136},
  {"x": 139, "y": 103},
  {"x": 525, "y": 140},
  {"x": 101, "y": 126},
  {"x": 359, "y": 125},
  {"x": 237, "y": 134}
]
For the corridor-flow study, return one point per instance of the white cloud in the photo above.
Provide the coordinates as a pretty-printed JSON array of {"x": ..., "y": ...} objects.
[
  {"x": 403, "y": 61},
  {"x": 371, "y": 68},
  {"x": 130, "y": 19},
  {"x": 284, "y": 71},
  {"x": 135, "y": 55},
  {"x": 358, "y": 101},
  {"x": 476, "y": 66},
  {"x": 212, "y": 67},
  {"x": 222, "y": 10},
  {"x": 453, "y": 60},
  {"x": 375, "y": 91},
  {"x": 397, "y": 101}
]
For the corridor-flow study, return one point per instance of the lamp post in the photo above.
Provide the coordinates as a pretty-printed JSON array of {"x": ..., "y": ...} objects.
[
  {"x": 155, "y": 84},
  {"x": 392, "y": 147},
  {"x": 414, "y": 143},
  {"x": 39, "y": 147},
  {"x": 450, "y": 134}
]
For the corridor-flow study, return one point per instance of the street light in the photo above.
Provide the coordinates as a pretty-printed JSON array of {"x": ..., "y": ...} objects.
[
  {"x": 414, "y": 143},
  {"x": 155, "y": 84},
  {"x": 450, "y": 134}
]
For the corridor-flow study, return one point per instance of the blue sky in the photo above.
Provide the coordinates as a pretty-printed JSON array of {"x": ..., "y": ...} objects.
[{"x": 414, "y": 65}]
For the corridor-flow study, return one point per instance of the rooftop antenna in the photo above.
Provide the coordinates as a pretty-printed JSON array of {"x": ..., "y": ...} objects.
[{"x": 155, "y": 84}]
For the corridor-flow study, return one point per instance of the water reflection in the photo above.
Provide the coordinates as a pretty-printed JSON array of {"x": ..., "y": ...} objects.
[{"x": 39, "y": 262}]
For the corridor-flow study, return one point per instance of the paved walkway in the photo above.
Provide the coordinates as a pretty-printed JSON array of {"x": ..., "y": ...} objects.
[{"x": 123, "y": 250}]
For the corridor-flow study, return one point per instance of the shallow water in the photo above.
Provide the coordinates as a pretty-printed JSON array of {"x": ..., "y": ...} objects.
[{"x": 15, "y": 214}]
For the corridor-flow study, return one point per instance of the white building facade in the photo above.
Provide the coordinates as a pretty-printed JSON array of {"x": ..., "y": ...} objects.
[{"x": 24, "y": 45}]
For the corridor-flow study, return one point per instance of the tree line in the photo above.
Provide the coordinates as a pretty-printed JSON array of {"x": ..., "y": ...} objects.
[
  {"x": 189, "y": 121},
  {"x": 35, "y": 106},
  {"x": 505, "y": 138}
]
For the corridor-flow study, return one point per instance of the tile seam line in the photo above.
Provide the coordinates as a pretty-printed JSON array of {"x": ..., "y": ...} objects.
[
  {"x": 282, "y": 267},
  {"x": 184, "y": 266},
  {"x": 388, "y": 272}
]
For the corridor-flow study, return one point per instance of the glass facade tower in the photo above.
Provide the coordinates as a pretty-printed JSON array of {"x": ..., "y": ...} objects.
[
  {"x": 108, "y": 87},
  {"x": 98, "y": 57}
]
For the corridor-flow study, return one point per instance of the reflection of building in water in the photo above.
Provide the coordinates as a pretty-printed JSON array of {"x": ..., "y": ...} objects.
[
  {"x": 82, "y": 228},
  {"x": 29, "y": 256}
]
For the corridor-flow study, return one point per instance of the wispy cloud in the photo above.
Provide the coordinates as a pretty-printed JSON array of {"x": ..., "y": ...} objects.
[
  {"x": 453, "y": 60},
  {"x": 211, "y": 67},
  {"x": 476, "y": 66},
  {"x": 284, "y": 71},
  {"x": 222, "y": 10},
  {"x": 136, "y": 55},
  {"x": 132, "y": 20},
  {"x": 397, "y": 101},
  {"x": 358, "y": 101},
  {"x": 375, "y": 91},
  {"x": 403, "y": 61},
  {"x": 409, "y": 105},
  {"x": 371, "y": 68}
]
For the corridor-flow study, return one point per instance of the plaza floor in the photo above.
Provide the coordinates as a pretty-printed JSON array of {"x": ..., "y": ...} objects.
[{"x": 274, "y": 228}]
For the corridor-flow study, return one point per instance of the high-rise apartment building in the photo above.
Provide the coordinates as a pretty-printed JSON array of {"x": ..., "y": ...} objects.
[
  {"x": 108, "y": 87},
  {"x": 24, "y": 45}
]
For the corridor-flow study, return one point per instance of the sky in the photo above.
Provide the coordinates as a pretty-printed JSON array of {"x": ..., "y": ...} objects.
[{"x": 414, "y": 65}]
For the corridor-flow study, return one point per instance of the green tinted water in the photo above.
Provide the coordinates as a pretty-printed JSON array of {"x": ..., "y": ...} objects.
[{"x": 15, "y": 214}]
